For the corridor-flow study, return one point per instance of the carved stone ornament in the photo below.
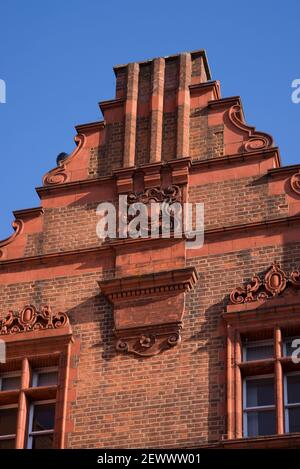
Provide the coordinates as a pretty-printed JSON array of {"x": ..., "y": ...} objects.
[
  {"x": 169, "y": 195},
  {"x": 273, "y": 283},
  {"x": 30, "y": 319},
  {"x": 148, "y": 309},
  {"x": 18, "y": 226},
  {"x": 256, "y": 140},
  {"x": 295, "y": 182},
  {"x": 59, "y": 175}
]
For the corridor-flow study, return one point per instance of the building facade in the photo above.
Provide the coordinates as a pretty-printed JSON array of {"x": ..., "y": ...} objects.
[{"x": 147, "y": 342}]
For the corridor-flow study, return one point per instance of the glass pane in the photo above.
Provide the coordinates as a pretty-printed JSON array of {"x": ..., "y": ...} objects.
[
  {"x": 289, "y": 349},
  {"x": 8, "y": 421},
  {"x": 261, "y": 423},
  {"x": 293, "y": 389},
  {"x": 43, "y": 417},
  {"x": 10, "y": 382},
  {"x": 47, "y": 379},
  {"x": 42, "y": 442},
  {"x": 259, "y": 392},
  {"x": 294, "y": 419},
  {"x": 259, "y": 351},
  {"x": 7, "y": 444}
]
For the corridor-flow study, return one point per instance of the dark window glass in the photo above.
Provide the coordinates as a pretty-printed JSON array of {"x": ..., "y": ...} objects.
[
  {"x": 7, "y": 444},
  {"x": 258, "y": 351},
  {"x": 42, "y": 442},
  {"x": 9, "y": 383},
  {"x": 43, "y": 417},
  {"x": 259, "y": 392},
  {"x": 294, "y": 419},
  {"x": 261, "y": 423},
  {"x": 293, "y": 389},
  {"x": 8, "y": 421},
  {"x": 47, "y": 379}
]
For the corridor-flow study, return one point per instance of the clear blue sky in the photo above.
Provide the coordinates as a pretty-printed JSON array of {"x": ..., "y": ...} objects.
[{"x": 56, "y": 58}]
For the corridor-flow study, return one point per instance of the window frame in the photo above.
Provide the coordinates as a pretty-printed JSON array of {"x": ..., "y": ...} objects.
[
  {"x": 11, "y": 436},
  {"x": 10, "y": 374},
  {"x": 254, "y": 343},
  {"x": 288, "y": 406},
  {"x": 31, "y": 434},
  {"x": 37, "y": 371},
  {"x": 247, "y": 410}
]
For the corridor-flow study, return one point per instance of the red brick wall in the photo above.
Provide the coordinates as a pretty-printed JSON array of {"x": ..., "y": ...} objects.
[{"x": 176, "y": 398}]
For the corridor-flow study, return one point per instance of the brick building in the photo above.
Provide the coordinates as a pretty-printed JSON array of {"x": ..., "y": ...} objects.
[{"x": 145, "y": 342}]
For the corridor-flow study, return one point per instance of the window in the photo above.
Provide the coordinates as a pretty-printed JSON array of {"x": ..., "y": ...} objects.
[
  {"x": 31, "y": 390},
  {"x": 45, "y": 377},
  {"x": 258, "y": 350},
  {"x": 292, "y": 402},
  {"x": 259, "y": 406},
  {"x": 8, "y": 426},
  {"x": 10, "y": 381},
  {"x": 41, "y": 425},
  {"x": 263, "y": 382}
]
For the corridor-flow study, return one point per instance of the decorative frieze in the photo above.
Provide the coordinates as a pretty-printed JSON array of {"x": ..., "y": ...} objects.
[
  {"x": 30, "y": 319},
  {"x": 271, "y": 284}
]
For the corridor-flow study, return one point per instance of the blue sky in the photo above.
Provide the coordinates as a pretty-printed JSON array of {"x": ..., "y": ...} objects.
[{"x": 56, "y": 58}]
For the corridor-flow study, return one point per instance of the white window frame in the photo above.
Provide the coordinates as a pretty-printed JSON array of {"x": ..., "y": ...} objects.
[
  {"x": 247, "y": 410},
  {"x": 38, "y": 371},
  {"x": 12, "y": 436},
  {"x": 288, "y": 406},
  {"x": 32, "y": 434},
  {"x": 250, "y": 344},
  {"x": 10, "y": 374}
]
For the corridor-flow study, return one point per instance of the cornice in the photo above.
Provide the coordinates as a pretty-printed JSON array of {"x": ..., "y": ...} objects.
[
  {"x": 213, "y": 85},
  {"x": 128, "y": 243},
  {"x": 192, "y": 164},
  {"x": 148, "y": 284},
  {"x": 237, "y": 158},
  {"x": 28, "y": 212},
  {"x": 81, "y": 128},
  {"x": 283, "y": 170},
  {"x": 81, "y": 184},
  {"x": 111, "y": 104},
  {"x": 252, "y": 226}
]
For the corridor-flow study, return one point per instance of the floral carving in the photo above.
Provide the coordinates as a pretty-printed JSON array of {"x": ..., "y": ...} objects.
[
  {"x": 153, "y": 343},
  {"x": 169, "y": 195},
  {"x": 256, "y": 140},
  {"x": 273, "y": 283},
  {"x": 295, "y": 182},
  {"x": 30, "y": 319}
]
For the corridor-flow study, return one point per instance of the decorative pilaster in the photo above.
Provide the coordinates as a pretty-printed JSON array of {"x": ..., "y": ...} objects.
[
  {"x": 157, "y": 103},
  {"x": 131, "y": 114},
  {"x": 183, "y": 105}
]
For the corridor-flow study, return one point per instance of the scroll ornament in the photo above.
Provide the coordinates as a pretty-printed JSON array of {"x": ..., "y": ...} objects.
[
  {"x": 30, "y": 319},
  {"x": 272, "y": 284}
]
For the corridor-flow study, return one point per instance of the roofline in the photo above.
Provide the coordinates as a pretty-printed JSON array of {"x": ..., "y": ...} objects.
[{"x": 201, "y": 52}]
